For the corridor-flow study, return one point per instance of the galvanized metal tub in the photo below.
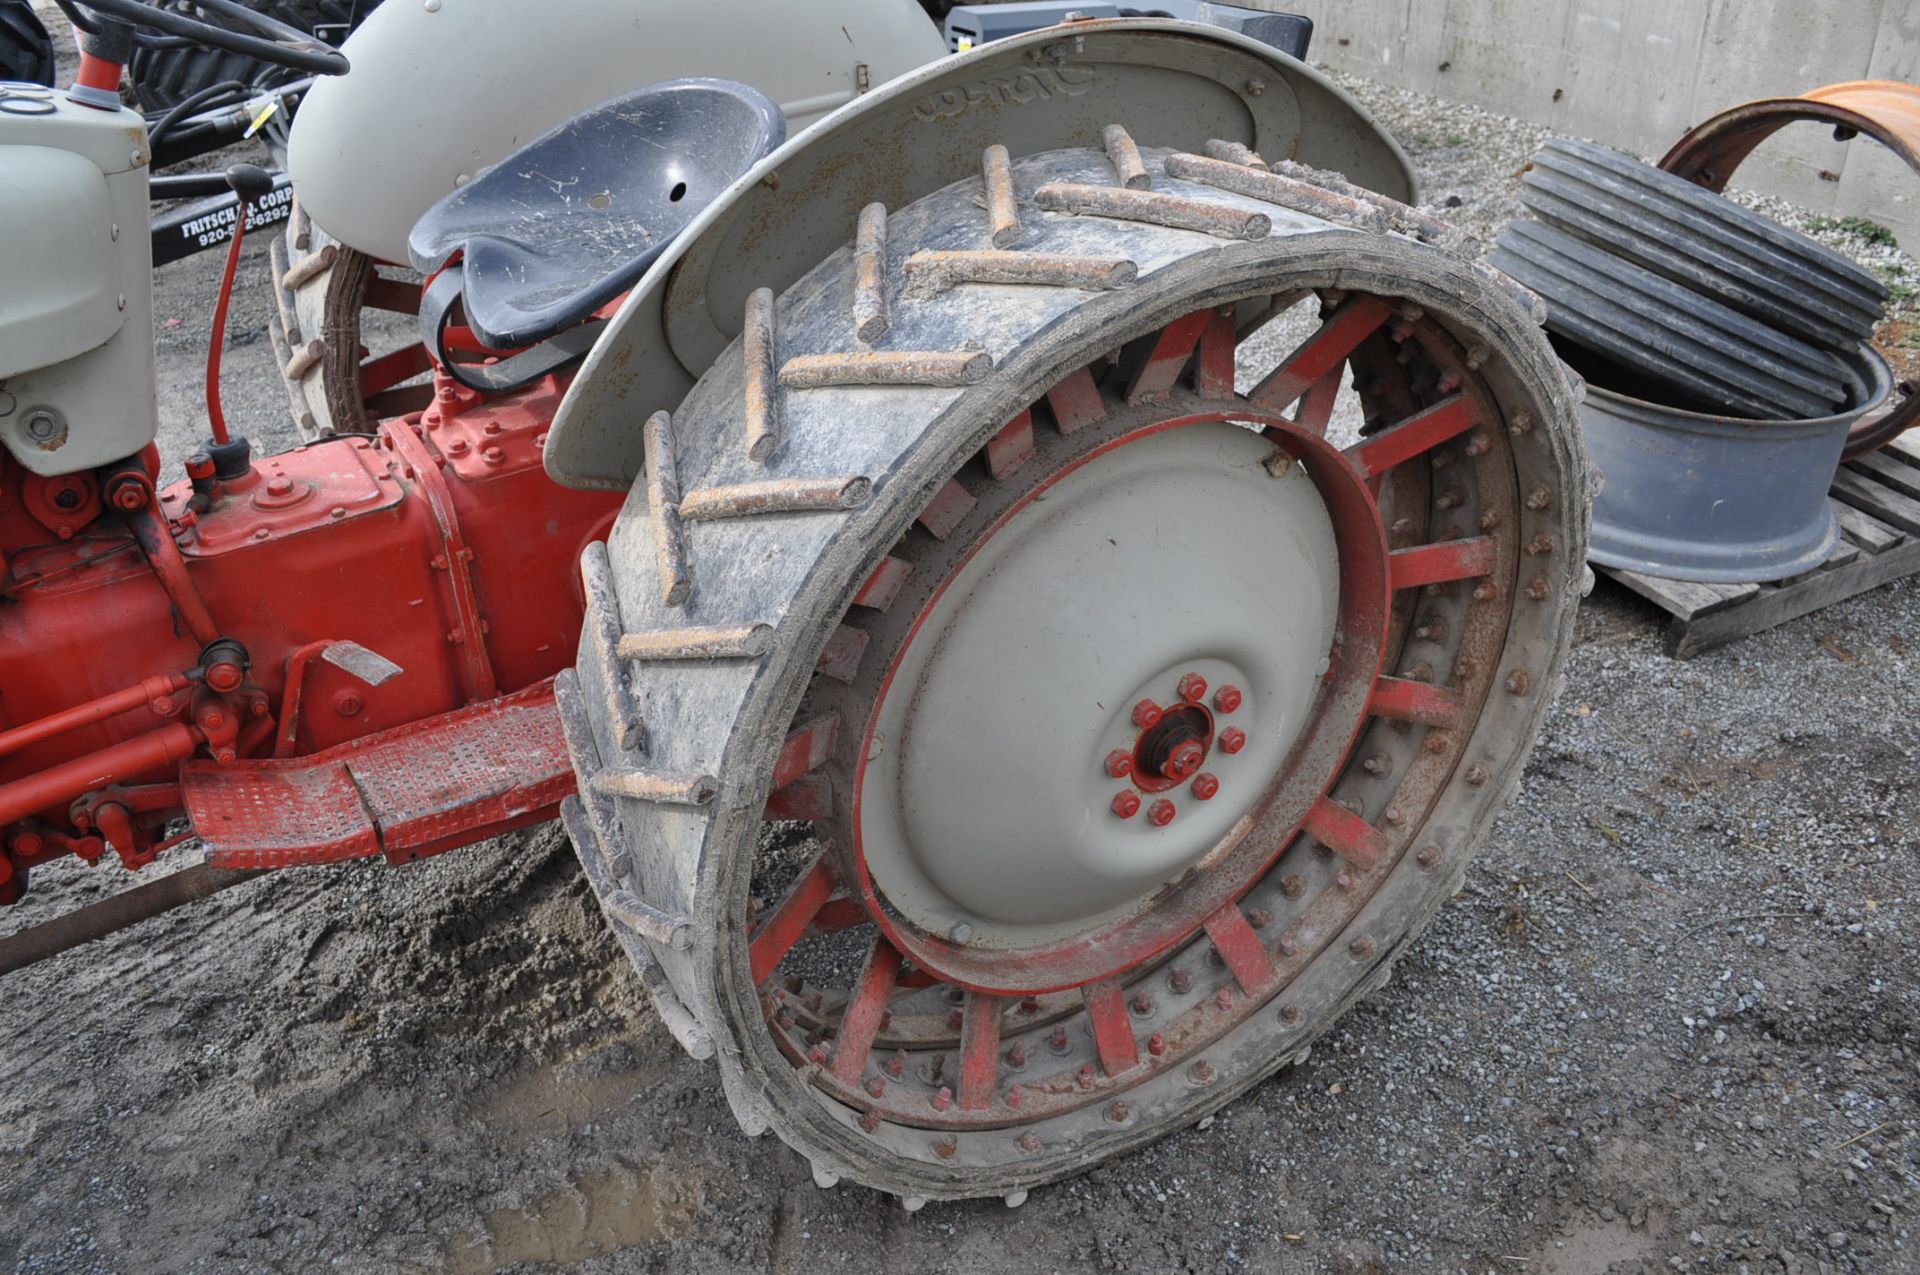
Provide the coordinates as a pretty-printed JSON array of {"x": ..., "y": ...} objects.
[{"x": 1718, "y": 499}]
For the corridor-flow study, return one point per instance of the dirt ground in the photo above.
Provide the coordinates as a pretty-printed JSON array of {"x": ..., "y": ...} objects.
[{"x": 1672, "y": 1022}]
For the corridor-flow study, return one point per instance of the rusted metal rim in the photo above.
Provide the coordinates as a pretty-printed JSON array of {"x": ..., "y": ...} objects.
[
  {"x": 1126, "y": 814},
  {"x": 1884, "y": 110},
  {"x": 921, "y": 1062}
]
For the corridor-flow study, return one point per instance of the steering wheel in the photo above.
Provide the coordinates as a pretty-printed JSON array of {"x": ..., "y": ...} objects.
[{"x": 242, "y": 31}]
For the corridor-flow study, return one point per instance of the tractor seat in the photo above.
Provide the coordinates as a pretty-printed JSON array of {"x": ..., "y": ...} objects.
[{"x": 573, "y": 219}]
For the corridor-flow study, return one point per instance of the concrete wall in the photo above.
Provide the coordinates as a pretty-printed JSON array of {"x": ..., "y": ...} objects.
[{"x": 1637, "y": 74}]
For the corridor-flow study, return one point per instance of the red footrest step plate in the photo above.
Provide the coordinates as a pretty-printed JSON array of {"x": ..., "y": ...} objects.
[{"x": 409, "y": 792}]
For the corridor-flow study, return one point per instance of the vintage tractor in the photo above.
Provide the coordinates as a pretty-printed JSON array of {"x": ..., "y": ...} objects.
[{"x": 1002, "y": 707}]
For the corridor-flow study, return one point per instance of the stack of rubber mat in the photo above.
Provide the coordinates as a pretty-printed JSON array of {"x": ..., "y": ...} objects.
[{"x": 1734, "y": 312}]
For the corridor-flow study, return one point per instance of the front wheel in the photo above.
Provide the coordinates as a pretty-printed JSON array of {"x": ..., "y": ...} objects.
[{"x": 1146, "y": 689}]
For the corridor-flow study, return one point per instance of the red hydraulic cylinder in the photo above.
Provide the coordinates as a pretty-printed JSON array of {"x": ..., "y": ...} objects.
[{"x": 152, "y": 751}]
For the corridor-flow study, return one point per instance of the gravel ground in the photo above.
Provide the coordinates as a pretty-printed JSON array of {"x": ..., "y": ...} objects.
[{"x": 1670, "y": 1024}]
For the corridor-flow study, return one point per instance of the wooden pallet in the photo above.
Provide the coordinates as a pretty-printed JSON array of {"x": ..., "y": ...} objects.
[{"x": 1877, "y": 499}]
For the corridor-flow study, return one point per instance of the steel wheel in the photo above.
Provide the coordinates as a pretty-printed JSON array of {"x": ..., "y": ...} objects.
[{"x": 1140, "y": 724}]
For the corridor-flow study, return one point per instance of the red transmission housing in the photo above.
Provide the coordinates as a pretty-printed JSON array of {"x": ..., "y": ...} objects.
[{"x": 376, "y": 585}]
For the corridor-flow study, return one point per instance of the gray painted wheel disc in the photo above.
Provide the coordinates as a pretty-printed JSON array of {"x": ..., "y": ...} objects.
[{"x": 984, "y": 802}]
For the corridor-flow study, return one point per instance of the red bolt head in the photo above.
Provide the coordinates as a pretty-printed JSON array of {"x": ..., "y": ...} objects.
[
  {"x": 1204, "y": 786},
  {"x": 1227, "y": 698},
  {"x": 1016, "y": 1095},
  {"x": 1126, "y": 804},
  {"x": 1184, "y": 759},
  {"x": 1085, "y": 1076},
  {"x": 1161, "y": 813},
  {"x": 1145, "y": 713},
  {"x": 1119, "y": 763},
  {"x": 279, "y": 487},
  {"x": 1193, "y": 688},
  {"x": 943, "y": 1099},
  {"x": 817, "y": 1055},
  {"x": 224, "y": 677},
  {"x": 876, "y": 1086},
  {"x": 1232, "y": 740},
  {"x": 1157, "y": 1044},
  {"x": 1030, "y": 1142}
]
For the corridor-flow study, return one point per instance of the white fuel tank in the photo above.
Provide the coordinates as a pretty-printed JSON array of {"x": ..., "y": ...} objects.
[{"x": 441, "y": 89}]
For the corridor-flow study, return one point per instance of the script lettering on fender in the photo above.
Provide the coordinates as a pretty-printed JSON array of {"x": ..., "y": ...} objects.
[{"x": 1014, "y": 88}]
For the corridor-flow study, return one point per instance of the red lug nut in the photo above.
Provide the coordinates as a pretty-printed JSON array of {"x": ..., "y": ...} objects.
[
  {"x": 1119, "y": 763},
  {"x": 1204, "y": 786},
  {"x": 1184, "y": 759},
  {"x": 1161, "y": 813},
  {"x": 1227, "y": 698},
  {"x": 1126, "y": 804},
  {"x": 1145, "y": 713},
  {"x": 1232, "y": 740},
  {"x": 1193, "y": 688}
]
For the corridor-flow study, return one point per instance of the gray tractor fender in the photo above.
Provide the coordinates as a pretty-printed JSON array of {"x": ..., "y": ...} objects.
[{"x": 1173, "y": 84}]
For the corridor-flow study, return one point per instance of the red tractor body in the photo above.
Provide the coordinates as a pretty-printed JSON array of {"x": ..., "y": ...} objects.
[{"x": 374, "y": 585}]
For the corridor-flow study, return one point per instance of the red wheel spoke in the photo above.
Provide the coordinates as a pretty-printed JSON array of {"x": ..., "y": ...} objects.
[
  {"x": 1404, "y": 700},
  {"x": 949, "y": 505},
  {"x": 840, "y": 658},
  {"x": 1421, "y": 432},
  {"x": 1316, "y": 410},
  {"x": 1240, "y": 947},
  {"x": 389, "y": 370},
  {"x": 789, "y": 921},
  {"x": 979, "y": 1051},
  {"x": 1322, "y": 352},
  {"x": 1076, "y": 402},
  {"x": 1213, "y": 374},
  {"x": 1169, "y": 357},
  {"x": 392, "y": 295},
  {"x": 808, "y": 797},
  {"x": 1112, "y": 1029},
  {"x": 839, "y": 914},
  {"x": 1345, "y": 833},
  {"x": 866, "y": 1011},
  {"x": 1439, "y": 563},
  {"x": 805, "y": 749},
  {"x": 884, "y": 585},
  {"x": 1012, "y": 447}
]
